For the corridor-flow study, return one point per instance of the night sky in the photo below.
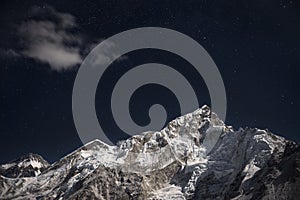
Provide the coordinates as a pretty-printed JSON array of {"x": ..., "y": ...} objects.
[{"x": 255, "y": 44}]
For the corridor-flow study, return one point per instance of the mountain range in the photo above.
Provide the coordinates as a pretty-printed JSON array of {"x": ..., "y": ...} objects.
[{"x": 196, "y": 156}]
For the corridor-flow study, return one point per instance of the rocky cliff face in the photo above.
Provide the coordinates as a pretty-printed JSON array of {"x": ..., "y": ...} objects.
[{"x": 196, "y": 156}]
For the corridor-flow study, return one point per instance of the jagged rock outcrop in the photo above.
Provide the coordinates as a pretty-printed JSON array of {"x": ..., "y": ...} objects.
[{"x": 26, "y": 166}]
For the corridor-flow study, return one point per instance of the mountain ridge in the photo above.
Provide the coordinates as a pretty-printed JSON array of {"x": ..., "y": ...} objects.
[{"x": 196, "y": 156}]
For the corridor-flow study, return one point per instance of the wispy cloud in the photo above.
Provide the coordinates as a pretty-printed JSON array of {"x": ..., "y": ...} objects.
[
  {"x": 107, "y": 53},
  {"x": 53, "y": 38},
  {"x": 9, "y": 53},
  {"x": 50, "y": 40}
]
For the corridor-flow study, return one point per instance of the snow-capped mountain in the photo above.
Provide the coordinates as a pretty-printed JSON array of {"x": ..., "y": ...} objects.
[
  {"x": 26, "y": 166},
  {"x": 196, "y": 156}
]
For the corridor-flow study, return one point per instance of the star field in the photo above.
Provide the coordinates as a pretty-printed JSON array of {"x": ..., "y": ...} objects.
[{"x": 255, "y": 44}]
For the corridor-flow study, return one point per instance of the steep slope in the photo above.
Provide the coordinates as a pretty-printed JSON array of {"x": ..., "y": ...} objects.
[
  {"x": 26, "y": 166},
  {"x": 196, "y": 156}
]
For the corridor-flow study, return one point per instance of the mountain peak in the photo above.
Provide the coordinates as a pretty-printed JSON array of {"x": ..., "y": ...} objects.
[
  {"x": 196, "y": 156},
  {"x": 26, "y": 166}
]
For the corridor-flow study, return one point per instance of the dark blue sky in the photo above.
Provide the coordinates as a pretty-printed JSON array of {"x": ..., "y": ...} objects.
[{"x": 255, "y": 44}]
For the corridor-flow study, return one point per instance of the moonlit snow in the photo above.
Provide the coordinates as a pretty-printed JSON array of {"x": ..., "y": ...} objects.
[{"x": 196, "y": 156}]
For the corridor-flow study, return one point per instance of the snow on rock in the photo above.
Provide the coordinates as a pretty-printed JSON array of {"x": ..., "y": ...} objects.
[
  {"x": 250, "y": 169},
  {"x": 190, "y": 188},
  {"x": 27, "y": 166},
  {"x": 170, "y": 192},
  {"x": 212, "y": 135},
  {"x": 196, "y": 156}
]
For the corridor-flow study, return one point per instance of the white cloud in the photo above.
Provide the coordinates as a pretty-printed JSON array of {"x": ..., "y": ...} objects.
[
  {"x": 106, "y": 55},
  {"x": 50, "y": 41},
  {"x": 56, "y": 55},
  {"x": 49, "y": 37}
]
